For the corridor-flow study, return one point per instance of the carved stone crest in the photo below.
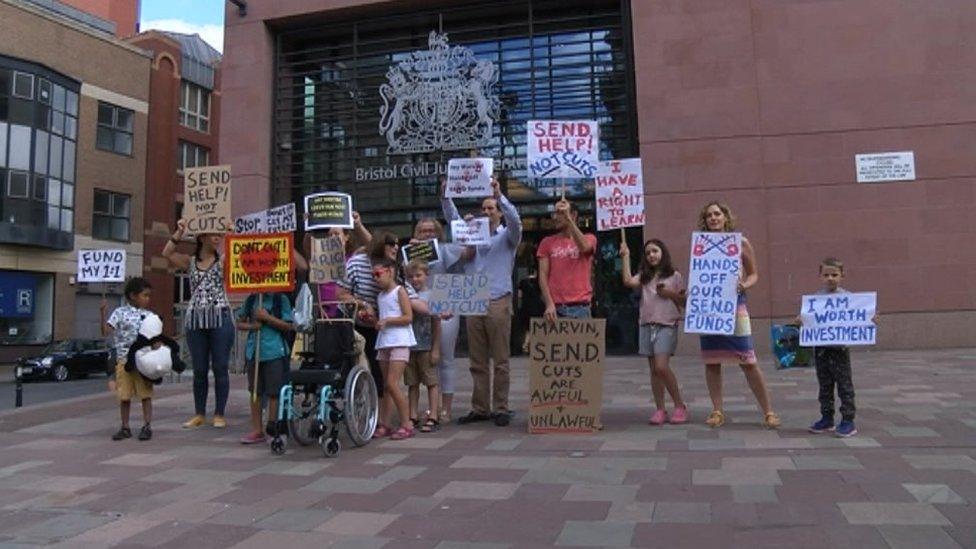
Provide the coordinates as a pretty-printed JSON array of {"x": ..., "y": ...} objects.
[{"x": 442, "y": 98}]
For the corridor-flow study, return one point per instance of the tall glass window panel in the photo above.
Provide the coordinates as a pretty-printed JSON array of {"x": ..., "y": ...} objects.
[
  {"x": 67, "y": 219},
  {"x": 40, "y": 151},
  {"x": 68, "y": 195},
  {"x": 57, "y": 147},
  {"x": 69, "y": 161},
  {"x": 3, "y": 144},
  {"x": 23, "y": 85},
  {"x": 53, "y": 218},
  {"x": 71, "y": 103},
  {"x": 20, "y": 142},
  {"x": 53, "y": 192}
]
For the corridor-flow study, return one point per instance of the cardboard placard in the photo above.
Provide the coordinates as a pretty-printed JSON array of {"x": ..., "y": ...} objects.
[
  {"x": 471, "y": 233},
  {"x": 838, "y": 319},
  {"x": 206, "y": 200},
  {"x": 566, "y": 375},
  {"x": 327, "y": 210},
  {"x": 713, "y": 279},
  {"x": 101, "y": 265},
  {"x": 563, "y": 148},
  {"x": 328, "y": 261},
  {"x": 461, "y": 295},
  {"x": 620, "y": 194},
  {"x": 428, "y": 250},
  {"x": 259, "y": 263},
  {"x": 469, "y": 177},
  {"x": 280, "y": 219}
]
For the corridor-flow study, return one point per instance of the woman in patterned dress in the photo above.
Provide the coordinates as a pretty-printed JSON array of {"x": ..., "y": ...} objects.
[{"x": 736, "y": 348}]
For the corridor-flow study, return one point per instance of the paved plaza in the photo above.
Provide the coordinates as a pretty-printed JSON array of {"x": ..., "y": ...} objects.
[{"x": 907, "y": 480}]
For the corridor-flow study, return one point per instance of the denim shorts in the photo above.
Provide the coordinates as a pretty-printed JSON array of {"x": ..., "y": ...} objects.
[
  {"x": 573, "y": 311},
  {"x": 657, "y": 339}
]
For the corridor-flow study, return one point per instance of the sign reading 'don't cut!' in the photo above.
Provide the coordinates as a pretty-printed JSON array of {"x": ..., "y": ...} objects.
[{"x": 259, "y": 263}]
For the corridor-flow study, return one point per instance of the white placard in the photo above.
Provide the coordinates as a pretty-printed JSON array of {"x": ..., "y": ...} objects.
[
  {"x": 469, "y": 177},
  {"x": 464, "y": 295},
  {"x": 280, "y": 219},
  {"x": 101, "y": 265},
  {"x": 838, "y": 319},
  {"x": 879, "y": 167},
  {"x": 619, "y": 194},
  {"x": 713, "y": 278},
  {"x": 471, "y": 233},
  {"x": 563, "y": 148}
]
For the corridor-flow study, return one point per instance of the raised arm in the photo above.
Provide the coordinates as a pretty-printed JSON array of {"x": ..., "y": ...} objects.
[
  {"x": 583, "y": 244},
  {"x": 629, "y": 280},
  {"x": 360, "y": 233},
  {"x": 513, "y": 222},
  {"x": 447, "y": 204},
  {"x": 177, "y": 259}
]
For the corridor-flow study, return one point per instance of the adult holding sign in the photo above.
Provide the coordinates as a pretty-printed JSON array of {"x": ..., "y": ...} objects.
[
  {"x": 452, "y": 260},
  {"x": 716, "y": 218},
  {"x": 207, "y": 321},
  {"x": 489, "y": 336},
  {"x": 566, "y": 265},
  {"x": 206, "y": 194}
]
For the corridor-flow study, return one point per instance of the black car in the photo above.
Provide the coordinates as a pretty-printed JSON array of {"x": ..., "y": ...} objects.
[{"x": 65, "y": 359}]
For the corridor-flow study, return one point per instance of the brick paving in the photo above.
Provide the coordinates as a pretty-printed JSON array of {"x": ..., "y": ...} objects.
[{"x": 907, "y": 480}]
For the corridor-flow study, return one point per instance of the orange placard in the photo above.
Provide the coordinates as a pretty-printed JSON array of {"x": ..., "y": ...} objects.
[{"x": 259, "y": 263}]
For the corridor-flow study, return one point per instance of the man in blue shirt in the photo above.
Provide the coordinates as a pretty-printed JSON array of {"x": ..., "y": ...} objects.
[{"x": 488, "y": 336}]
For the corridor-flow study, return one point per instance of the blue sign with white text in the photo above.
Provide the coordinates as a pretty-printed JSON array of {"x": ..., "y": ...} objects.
[{"x": 17, "y": 291}]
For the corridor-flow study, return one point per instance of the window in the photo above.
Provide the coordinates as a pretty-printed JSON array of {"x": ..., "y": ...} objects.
[
  {"x": 189, "y": 155},
  {"x": 194, "y": 107},
  {"x": 114, "y": 129},
  {"x": 110, "y": 217}
]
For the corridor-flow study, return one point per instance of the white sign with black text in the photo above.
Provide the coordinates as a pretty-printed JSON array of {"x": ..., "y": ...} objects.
[
  {"x": 101, "y": 265},
  {"x": 880, "y": 167},
  {"x": 471, "y": 233}
]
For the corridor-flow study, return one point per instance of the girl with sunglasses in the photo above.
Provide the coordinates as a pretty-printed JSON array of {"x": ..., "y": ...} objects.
[{"x": 393, "y": 341}]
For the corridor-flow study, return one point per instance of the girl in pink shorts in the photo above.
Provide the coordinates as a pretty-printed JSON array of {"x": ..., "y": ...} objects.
[{"x": 393, "y": 346}]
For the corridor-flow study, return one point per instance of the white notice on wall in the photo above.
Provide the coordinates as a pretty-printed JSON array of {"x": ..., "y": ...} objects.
[{"x": 880, "y": 167}]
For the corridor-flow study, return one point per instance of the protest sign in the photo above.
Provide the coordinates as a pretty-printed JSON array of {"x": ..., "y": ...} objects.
[
  {"x": 327, "y": 210},
  {"x": 472, "y": 232},
  {"x": 464, "y": 295},
  {"x": 838, "y": 319},
  {"x": 563, "y": 148},
  {"x": 619, "y": 194},
  {"x": 328, "y": 261},
  {"x": 566, "y": 375},
  {"x": 101, "y": 265},
  {"x": 713, "y": 279},
  {"x": 428, "y": 250},
  {"x": 469, "y": 177},
  {"x": 280, "y": 219},
  {"x": 206, "y": 199},
  {"x": 259, "y": 263}
]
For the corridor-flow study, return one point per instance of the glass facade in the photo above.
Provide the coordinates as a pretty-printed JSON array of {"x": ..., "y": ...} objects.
[
  {"x": 38, "y": 152},
  {"x": 565, "y": 59}
]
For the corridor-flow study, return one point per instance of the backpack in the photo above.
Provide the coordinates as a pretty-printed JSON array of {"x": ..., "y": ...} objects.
[{"x": 287, "y": 336}]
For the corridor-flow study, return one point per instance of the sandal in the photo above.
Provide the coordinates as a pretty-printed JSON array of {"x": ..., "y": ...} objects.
[
  {"x": 715, "y": 419},
  {"x": 430, "y": 426},
  {"x": 402, "y": 434},
  {"x": 415, "y": 422},
  {"x": 382, "y": 431},
  {"x": 772, "y": 421}
]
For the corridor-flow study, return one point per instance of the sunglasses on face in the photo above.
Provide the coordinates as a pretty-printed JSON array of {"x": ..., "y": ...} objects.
[{"x": 378, "y": 272}]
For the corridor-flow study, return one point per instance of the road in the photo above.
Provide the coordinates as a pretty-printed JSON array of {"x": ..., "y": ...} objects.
[{"x": 39, "y": 392}]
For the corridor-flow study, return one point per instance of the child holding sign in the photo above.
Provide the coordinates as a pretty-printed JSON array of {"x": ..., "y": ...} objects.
[
  {"x": 393, "y": 344},
  {"x": 662, "y": 295}
]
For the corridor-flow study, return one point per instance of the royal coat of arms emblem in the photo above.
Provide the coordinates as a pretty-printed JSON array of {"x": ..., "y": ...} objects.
[{"x": 440, "y": 99}]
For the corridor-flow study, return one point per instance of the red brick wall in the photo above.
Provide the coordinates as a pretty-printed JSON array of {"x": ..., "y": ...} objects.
[{"x": 124, "y": 13}]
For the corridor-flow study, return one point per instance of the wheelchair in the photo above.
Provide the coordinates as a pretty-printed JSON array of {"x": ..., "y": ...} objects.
[{"x": 330, "y": 388}]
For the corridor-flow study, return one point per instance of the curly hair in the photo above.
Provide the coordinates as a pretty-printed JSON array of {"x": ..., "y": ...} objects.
[{"x": 729, "y": 216}]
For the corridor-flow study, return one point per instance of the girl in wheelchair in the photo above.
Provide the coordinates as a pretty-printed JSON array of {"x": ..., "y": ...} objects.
[{"x": 393, "y": 346}]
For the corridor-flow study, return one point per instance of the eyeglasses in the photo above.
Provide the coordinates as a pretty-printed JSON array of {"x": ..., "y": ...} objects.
[{"x": 378, "y": 272}]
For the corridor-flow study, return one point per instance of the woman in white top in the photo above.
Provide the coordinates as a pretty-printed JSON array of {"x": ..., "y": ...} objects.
[{"x": 393, "y": 342}]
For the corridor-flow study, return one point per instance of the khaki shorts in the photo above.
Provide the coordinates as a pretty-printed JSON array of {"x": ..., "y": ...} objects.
[
  {"x": 131, "y": 384},
  {"x": 419, "y": 370}
]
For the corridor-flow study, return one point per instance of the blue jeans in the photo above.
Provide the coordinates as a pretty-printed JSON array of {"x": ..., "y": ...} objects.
[
  {"x": 573, "y": 311},
  {"x": 210, "y": 348}
]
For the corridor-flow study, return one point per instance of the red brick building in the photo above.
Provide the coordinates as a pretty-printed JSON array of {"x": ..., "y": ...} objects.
[
  {"x": 123, "y": 13},
  {"x": 184, "y": 114}
]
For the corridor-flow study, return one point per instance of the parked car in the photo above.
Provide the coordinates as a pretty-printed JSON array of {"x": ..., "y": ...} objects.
[{"x": 66, "y": 359}]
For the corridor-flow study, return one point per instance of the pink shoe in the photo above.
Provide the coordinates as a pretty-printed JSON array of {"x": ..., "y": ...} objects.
[
  {"x": 402, "y": 434},
  {"x": 658, "y": 417},
  {"x": 382, "y": 431},
  {"x": 253, "y": 438},
  {"x": 679, "y": 415}
]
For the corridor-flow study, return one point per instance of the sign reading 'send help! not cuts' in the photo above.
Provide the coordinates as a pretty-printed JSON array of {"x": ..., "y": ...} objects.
[
  {"x": 620, "y": 194},
  {"x": 473, "y": 232},
  {"x": 469, "y": 177},
  {"x": 206, "y": 199},
  {"x": 566, "y": 375},
  {"x": 259, "y": 263},
  {"x": 101, "y": 265},
  {"x": 563, "y": 148},
  {"x": 461, "y": 295},
  {"x": 838, "y": 319},
  {"x": 327, "y": 210},
  {"x": 713, "y": 280}
]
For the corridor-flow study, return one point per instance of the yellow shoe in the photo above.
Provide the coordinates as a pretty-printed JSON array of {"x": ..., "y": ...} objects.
[
  {"x": 715, "y": 419},
  {"x": 772, "y": 421},
  {"x": 194, "y": 422},
  {"x": 219, "y": 422}
]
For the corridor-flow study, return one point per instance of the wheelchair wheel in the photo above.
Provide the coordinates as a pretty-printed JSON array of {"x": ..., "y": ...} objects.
[
  {"x": 330, "y": 446},
  {"x": 278, "y": 445},
  {"x": 361, "y": 407},
  {"x": 299, "y": 427}
]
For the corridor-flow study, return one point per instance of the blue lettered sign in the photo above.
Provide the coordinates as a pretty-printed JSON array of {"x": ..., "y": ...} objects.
[
  {"x": 465, "y": 295},
  {"x": 713, "y": 279},
  {"x": 838, "y": 319}
]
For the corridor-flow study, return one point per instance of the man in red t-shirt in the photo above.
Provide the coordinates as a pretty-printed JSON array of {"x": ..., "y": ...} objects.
[{"x": 565, "y": 266}]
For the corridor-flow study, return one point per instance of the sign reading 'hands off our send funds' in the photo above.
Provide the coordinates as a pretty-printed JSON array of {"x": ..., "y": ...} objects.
[{"x": 713, "y": 278}]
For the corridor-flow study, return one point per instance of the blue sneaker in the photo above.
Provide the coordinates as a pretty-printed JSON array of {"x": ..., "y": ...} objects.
[
  {"x": 846, "y": 429},
  {"x": 823, "y": 425}
]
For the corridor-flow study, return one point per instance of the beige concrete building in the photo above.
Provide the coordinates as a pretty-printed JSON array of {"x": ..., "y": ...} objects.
[{"x": 73, "y": 117}]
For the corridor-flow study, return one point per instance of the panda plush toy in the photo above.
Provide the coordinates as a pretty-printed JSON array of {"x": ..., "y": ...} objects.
[{"x": 153, "y": 354}]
